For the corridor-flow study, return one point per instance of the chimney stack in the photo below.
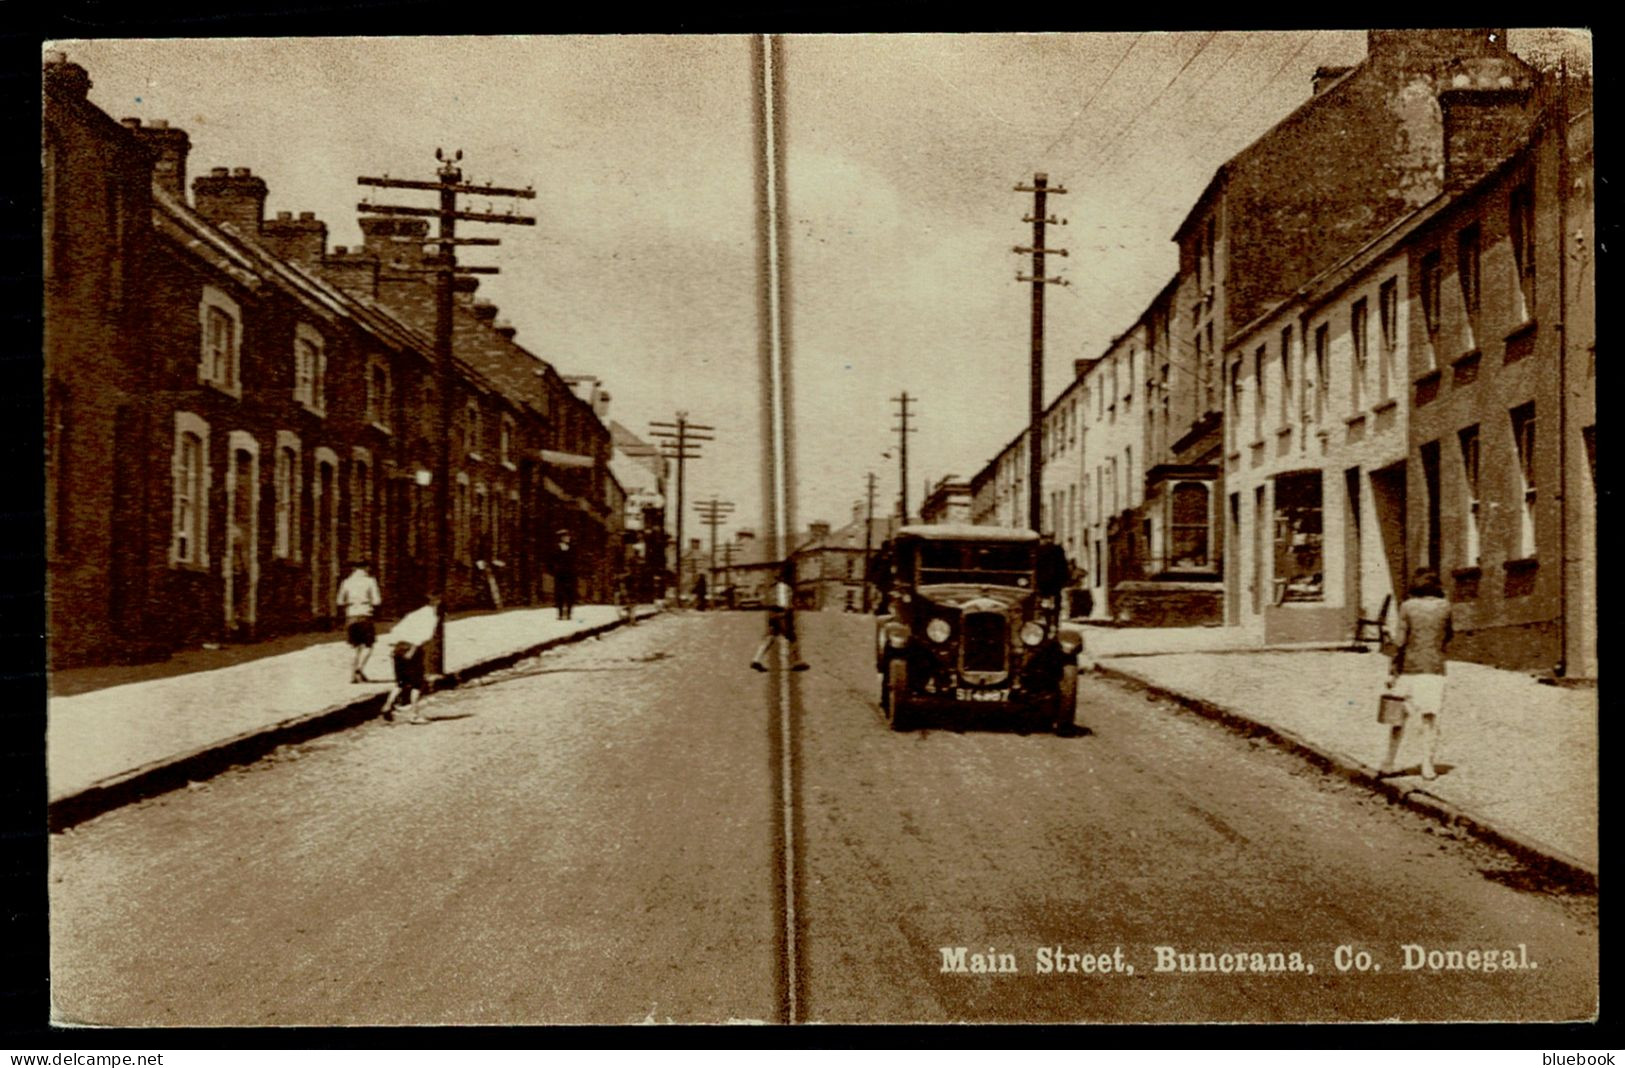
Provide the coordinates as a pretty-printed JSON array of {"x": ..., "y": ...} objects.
[
  {"x": 380, "y": 232},
  {"x": 484, "y": 311},
  {"x": 505, "y": 329},
  {"x": 818, "y": 530},
  {"x": 65, "y": 78},
  {"x": 236, "y": 196},
  {"x": 1488, "y": 106},
  {"x": 170, "y": 147},
  {"x": 302, "y": 240}
]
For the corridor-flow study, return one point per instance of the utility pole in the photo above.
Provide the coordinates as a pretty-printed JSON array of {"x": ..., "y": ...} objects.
[
  {"x": 868, "y": 527},
  {"x": 903, "y": 431},
  {"x": 450, "y": 185},
  {"x": 680, "y": 442},
  {"x": 1040, "y": 189},
  {"x": 713, "y": 513},
  {"x": 727, "y": 569}
]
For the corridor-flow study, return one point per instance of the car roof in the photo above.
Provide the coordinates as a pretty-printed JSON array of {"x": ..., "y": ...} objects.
[{"x": 966, "y": 532}]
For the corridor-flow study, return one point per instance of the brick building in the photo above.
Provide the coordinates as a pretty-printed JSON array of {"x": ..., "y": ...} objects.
[{"x": 234, "y": 412}]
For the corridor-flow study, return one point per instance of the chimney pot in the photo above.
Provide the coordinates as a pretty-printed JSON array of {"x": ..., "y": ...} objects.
[
  {"x": 241, "y": 172},
  {"x": 283, "y": 215},
  {"x": 159, "y": 124},
  {"x": 131, "y": 123},
  {"x": 307, "y": 215},
  {"x": 220, "y": 172},
  {"x": 55, "y": 57},
  {"x": 340, "y": 250}
]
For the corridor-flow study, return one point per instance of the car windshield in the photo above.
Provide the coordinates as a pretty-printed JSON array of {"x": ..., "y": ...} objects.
[{"x": 975, "y": 563}]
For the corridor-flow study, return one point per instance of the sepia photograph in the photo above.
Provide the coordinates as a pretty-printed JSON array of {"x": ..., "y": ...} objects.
[{"x": 875, "y": 528}]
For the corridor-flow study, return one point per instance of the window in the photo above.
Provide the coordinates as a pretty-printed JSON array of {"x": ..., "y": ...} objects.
[
  {"x": 1523, "y": 437},
  {"x": 1358, "y": 328},
  {"x": 1388, "y": 312},
  {"x": 1188, "y": 528},
  {"x": 1232, "y": 419},
  {"x": 380, "y": 393},
  {"x": 1468, "y": 438},
  {"x": 505, "y": 444},
  {"x": 482, "y": 516},
  {"x": 462, "y": 506},
  {"x": 221, "y": 322},
  {"x": 1467, "y": 274},
  {"x": 360, "y": 503},
  {"x": 286, "y": 476},
  {"x": 1521, "y": 212},
  {"x": 1432, "y": 281},
  {"x": 1212, "y": 358},
  {"x": 471, "y": 430},
  {"x": 1322, "y": 377},
  {"x": 1111, "y": 475},
  {"x": 309, "y": 369},
  {"x": 190, "y": 464},
  {"x": 1259, "y": 397},
  {"x": 1286, "y": 375},
  {"x": 1128, "y": 476}
]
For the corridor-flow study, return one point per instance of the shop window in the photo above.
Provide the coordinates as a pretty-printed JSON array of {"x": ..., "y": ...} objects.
[
  {"x": 1188, "y": 526},
  {"x": 1299, "y": 569}
]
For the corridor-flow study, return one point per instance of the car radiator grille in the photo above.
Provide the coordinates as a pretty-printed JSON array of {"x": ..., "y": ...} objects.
[{"x": 984, "y": 642}]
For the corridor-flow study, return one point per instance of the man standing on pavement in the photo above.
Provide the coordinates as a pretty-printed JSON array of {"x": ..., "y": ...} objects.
[
  {"x": 359, "y": 597},
  {"x": 564, "y": 575},
  {"x": 1417, "y": 673}
]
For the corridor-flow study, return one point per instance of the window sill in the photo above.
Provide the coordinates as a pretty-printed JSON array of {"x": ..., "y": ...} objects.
[
  {"x": 1235, "y": 457},
  {"x": 1522, "y": 330},
  {"x": 476, "y": 457},
  {"x": 509, "y": 465},
  {"x": 1386, "y": 406},
  {"x": 380, "y": 427},
  {"x": 1259, "y": 444},
  {"x": 1522, "y": 564},
  {"x": 197, "y": 567},
  {"x": 1427, "y": 378},
  {"x": 1284, "y": 432},
  {"x": 1467, "y": 574},
  {"x": 235, "y": 393},
  {"x": 320, "y": 413},
  {"x": 1467, "y": 359},
  {"x": 1355, "y": 420}
]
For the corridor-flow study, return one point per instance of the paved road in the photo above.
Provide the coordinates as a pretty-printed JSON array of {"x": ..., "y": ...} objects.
[{"x": 591, "y": 838}]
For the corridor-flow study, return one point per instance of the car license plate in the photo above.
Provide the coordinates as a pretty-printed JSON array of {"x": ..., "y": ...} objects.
[{"x": 980, "y": 695}]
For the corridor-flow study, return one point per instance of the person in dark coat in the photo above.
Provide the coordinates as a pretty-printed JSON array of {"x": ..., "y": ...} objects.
[
  {"x": 564, "y": 575},
  {"x": 781, "y": 621}
]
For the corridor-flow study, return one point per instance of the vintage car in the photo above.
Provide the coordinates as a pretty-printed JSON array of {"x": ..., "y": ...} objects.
[{"x": 969, "y": 615}]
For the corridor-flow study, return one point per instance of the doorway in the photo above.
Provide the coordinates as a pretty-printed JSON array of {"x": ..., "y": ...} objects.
[
  {"x": 1388, "y": 505},
  {"x": 241, "y": 570}
]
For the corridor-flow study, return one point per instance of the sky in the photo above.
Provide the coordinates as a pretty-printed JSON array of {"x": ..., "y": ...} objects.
[{"x": 902, "y": 154}]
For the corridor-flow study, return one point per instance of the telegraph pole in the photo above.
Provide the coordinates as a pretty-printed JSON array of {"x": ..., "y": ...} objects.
[
  {"x": 450, "y": 185},
  {"x": 903, "y": 431},
  {"x": 1035, "y": 394},
  {"x": 868, "y": 527},
  {"x": 680, "y": 442},
  {"x": 713, "y": 513}
]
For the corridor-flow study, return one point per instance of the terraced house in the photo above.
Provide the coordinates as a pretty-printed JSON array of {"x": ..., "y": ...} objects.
[{"x": 236, "y": 411}]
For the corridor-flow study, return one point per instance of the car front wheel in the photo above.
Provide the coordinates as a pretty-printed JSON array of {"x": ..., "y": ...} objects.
[
  {"x": 1066, "y": 700},
  {"x": 896, "y": 695}
]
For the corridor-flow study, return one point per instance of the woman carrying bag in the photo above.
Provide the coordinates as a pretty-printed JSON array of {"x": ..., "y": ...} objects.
[{"x": 1416, "y": 677}]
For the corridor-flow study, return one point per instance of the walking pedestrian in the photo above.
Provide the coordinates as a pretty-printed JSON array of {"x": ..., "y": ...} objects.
[
  {"x": 564, "y": 575},
  {"x": 360, "y": 597},
  {"x": 781, "y": 621},
  {"x": 406, "y": 641},
  {"x": 699, "y": 593},
  {"x": 1417, "y": 673}
]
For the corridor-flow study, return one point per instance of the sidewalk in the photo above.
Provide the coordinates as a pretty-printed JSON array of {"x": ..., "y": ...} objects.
[
  {"x": 97, "y": 740},
  {"x": 1517, "y": 760}
]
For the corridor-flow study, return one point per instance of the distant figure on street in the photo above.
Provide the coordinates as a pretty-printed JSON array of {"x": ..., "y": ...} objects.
[
  {"x": 699, "y": 593},
  {"x": 406, "y": 647},
  {"x": 360, "y": 597},
  {"x": 1417, "y": 673},
  {"x": 781, "y": 621},
  {"x": 626, "y": 598},
  {"x": 564, "y": 575}
]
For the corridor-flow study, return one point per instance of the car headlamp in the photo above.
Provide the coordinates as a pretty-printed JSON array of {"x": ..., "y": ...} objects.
[
  {"x": 1031, "y": 633},
  {"x": 1071, "y": 640},
  {"x": 938, "y": 630}
]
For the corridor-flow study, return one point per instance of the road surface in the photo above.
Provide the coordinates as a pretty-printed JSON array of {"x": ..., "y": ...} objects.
[{"x": 606, "y": 834}]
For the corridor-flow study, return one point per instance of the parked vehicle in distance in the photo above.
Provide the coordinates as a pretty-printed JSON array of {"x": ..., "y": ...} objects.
[{"x": 970, "y": 615}]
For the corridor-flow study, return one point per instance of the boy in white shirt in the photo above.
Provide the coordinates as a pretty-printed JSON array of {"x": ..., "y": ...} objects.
[{"x": 359, "y": 596}]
